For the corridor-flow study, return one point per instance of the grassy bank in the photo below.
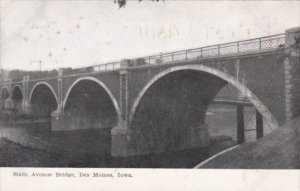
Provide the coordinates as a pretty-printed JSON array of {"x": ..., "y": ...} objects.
[{"x": 278, "y": 150}]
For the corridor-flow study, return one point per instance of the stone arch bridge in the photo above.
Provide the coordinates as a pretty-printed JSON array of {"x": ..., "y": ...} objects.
[{"x": 145, "y": 99}]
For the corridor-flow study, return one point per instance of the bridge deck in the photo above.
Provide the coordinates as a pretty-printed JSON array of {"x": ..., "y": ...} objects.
[{"x": 232, "y": 48}]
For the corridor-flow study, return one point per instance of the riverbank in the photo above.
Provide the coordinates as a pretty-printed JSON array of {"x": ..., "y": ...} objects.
[
  {"x": 278, "y": 150},
  {"x": 15, "y": 155}
]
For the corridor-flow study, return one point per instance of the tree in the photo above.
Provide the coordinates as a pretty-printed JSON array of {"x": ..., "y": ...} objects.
[{"x": 122, "y": 3}]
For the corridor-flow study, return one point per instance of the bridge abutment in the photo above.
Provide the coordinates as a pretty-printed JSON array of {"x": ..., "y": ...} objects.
[{"x": 292, "y": 71}]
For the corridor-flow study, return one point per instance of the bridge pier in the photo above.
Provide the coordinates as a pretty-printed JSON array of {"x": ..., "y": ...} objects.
[
  {"x": 58, "y": 122},
  {"x": 8, "y": 104},
  {"x": 196, "y": 137},
  {"x": 240, "y": 124},
  {"x": 121, "y": 142},
  {"x": 121, "y": 136},
  {"x": 26, "y": 106},
  {"x": 127, "y": 142},
  {"x": 259, "y": 125}
]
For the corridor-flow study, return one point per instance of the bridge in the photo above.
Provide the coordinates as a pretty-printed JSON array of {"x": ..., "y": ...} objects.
[{"x": 159, "y": 102}]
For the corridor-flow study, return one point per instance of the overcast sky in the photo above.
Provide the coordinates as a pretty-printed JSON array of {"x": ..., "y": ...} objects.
[{"x": 82, "y": 33}]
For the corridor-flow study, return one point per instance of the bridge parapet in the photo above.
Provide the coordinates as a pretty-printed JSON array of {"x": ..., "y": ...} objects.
[
  {"x": 232, "y": 48},
  {"x": 44, "y": 75},
  {"x": 16, "y": 80}
]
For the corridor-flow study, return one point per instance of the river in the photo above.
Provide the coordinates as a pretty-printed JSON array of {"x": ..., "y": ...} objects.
[{"x": 92, "y": 148}]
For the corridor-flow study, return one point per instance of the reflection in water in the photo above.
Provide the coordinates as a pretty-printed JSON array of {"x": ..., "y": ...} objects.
[{"x": 91, "y": 148}]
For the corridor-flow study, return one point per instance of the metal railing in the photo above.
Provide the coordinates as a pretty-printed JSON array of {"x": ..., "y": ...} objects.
[
  {"x": 238, "y": 47},
  {"x": 250, "y": 45}
]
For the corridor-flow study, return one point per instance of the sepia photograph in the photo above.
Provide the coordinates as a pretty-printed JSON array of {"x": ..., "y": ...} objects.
[{"x": 112, "y": 89}]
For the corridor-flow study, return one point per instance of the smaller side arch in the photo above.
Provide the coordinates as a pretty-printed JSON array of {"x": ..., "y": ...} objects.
[
  {"x": 2, "y": 89},
  {"x": 43, "y": 83},
  {"x": 17, "y": 86},
  {"x": 113, "y": 99}
]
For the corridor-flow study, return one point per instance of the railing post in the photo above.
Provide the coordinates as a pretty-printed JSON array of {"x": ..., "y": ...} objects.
[
  {"x": 186, "y": 52},
  {"x": 218, "y": 50},
  {"x": 259, "y": 43},
  {"x": 149, "y": 60},
  {"x": 172, "y": 56},
  {"x": 201, "y": 53},
  {"x": 238, "y": 46}
]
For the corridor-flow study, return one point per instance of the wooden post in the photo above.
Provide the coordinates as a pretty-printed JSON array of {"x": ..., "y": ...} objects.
[
  {"x": 240, "y": 124},
  {"x": 259, "y": 125}
]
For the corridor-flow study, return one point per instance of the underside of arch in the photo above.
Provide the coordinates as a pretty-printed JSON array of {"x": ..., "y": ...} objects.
[
  {"x": 17, "y": 97},
  {"x": 89, "y": 105},
  {"x": 214, "y": 72},
  {"x": 4, "y": 95},
  {"x": 43, "y": 100},
  {"x": 171, "y": 108}
]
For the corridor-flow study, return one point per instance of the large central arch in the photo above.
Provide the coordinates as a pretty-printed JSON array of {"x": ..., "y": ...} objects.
[
  {"x": 231, "y": 80},
  {"x": 89, "y": 93},
  {"x": 178, "y": 96}
]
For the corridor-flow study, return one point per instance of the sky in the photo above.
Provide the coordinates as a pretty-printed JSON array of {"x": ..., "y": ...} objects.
[{"x": 75, "y": 33}]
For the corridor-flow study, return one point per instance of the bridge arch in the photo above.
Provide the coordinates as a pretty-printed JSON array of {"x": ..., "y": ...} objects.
[
  {"x": 43, "y": 100},
  {"x": 45, "y": 84},
  {"x": 217, "y": 73},
  {"x": 17, "y": 89},
  {"x": 17, "y": 97},
  {"x": 102, "y": 86},
  {"x": 4, "y": 90},
  {"x": 4, "y": 94}
]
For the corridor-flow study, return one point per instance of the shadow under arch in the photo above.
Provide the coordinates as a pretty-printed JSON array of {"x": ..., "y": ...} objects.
[
  {"x": 2, "y": 90},
  {"x": 39, "y": 84},
  {"x": 14, "y": 89},
  {"x": 252, "y": 98},
  {"x": 4, "y": 94},
  {"x": 102, "y": 85},
  {"x": 43, "y": 100}
]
